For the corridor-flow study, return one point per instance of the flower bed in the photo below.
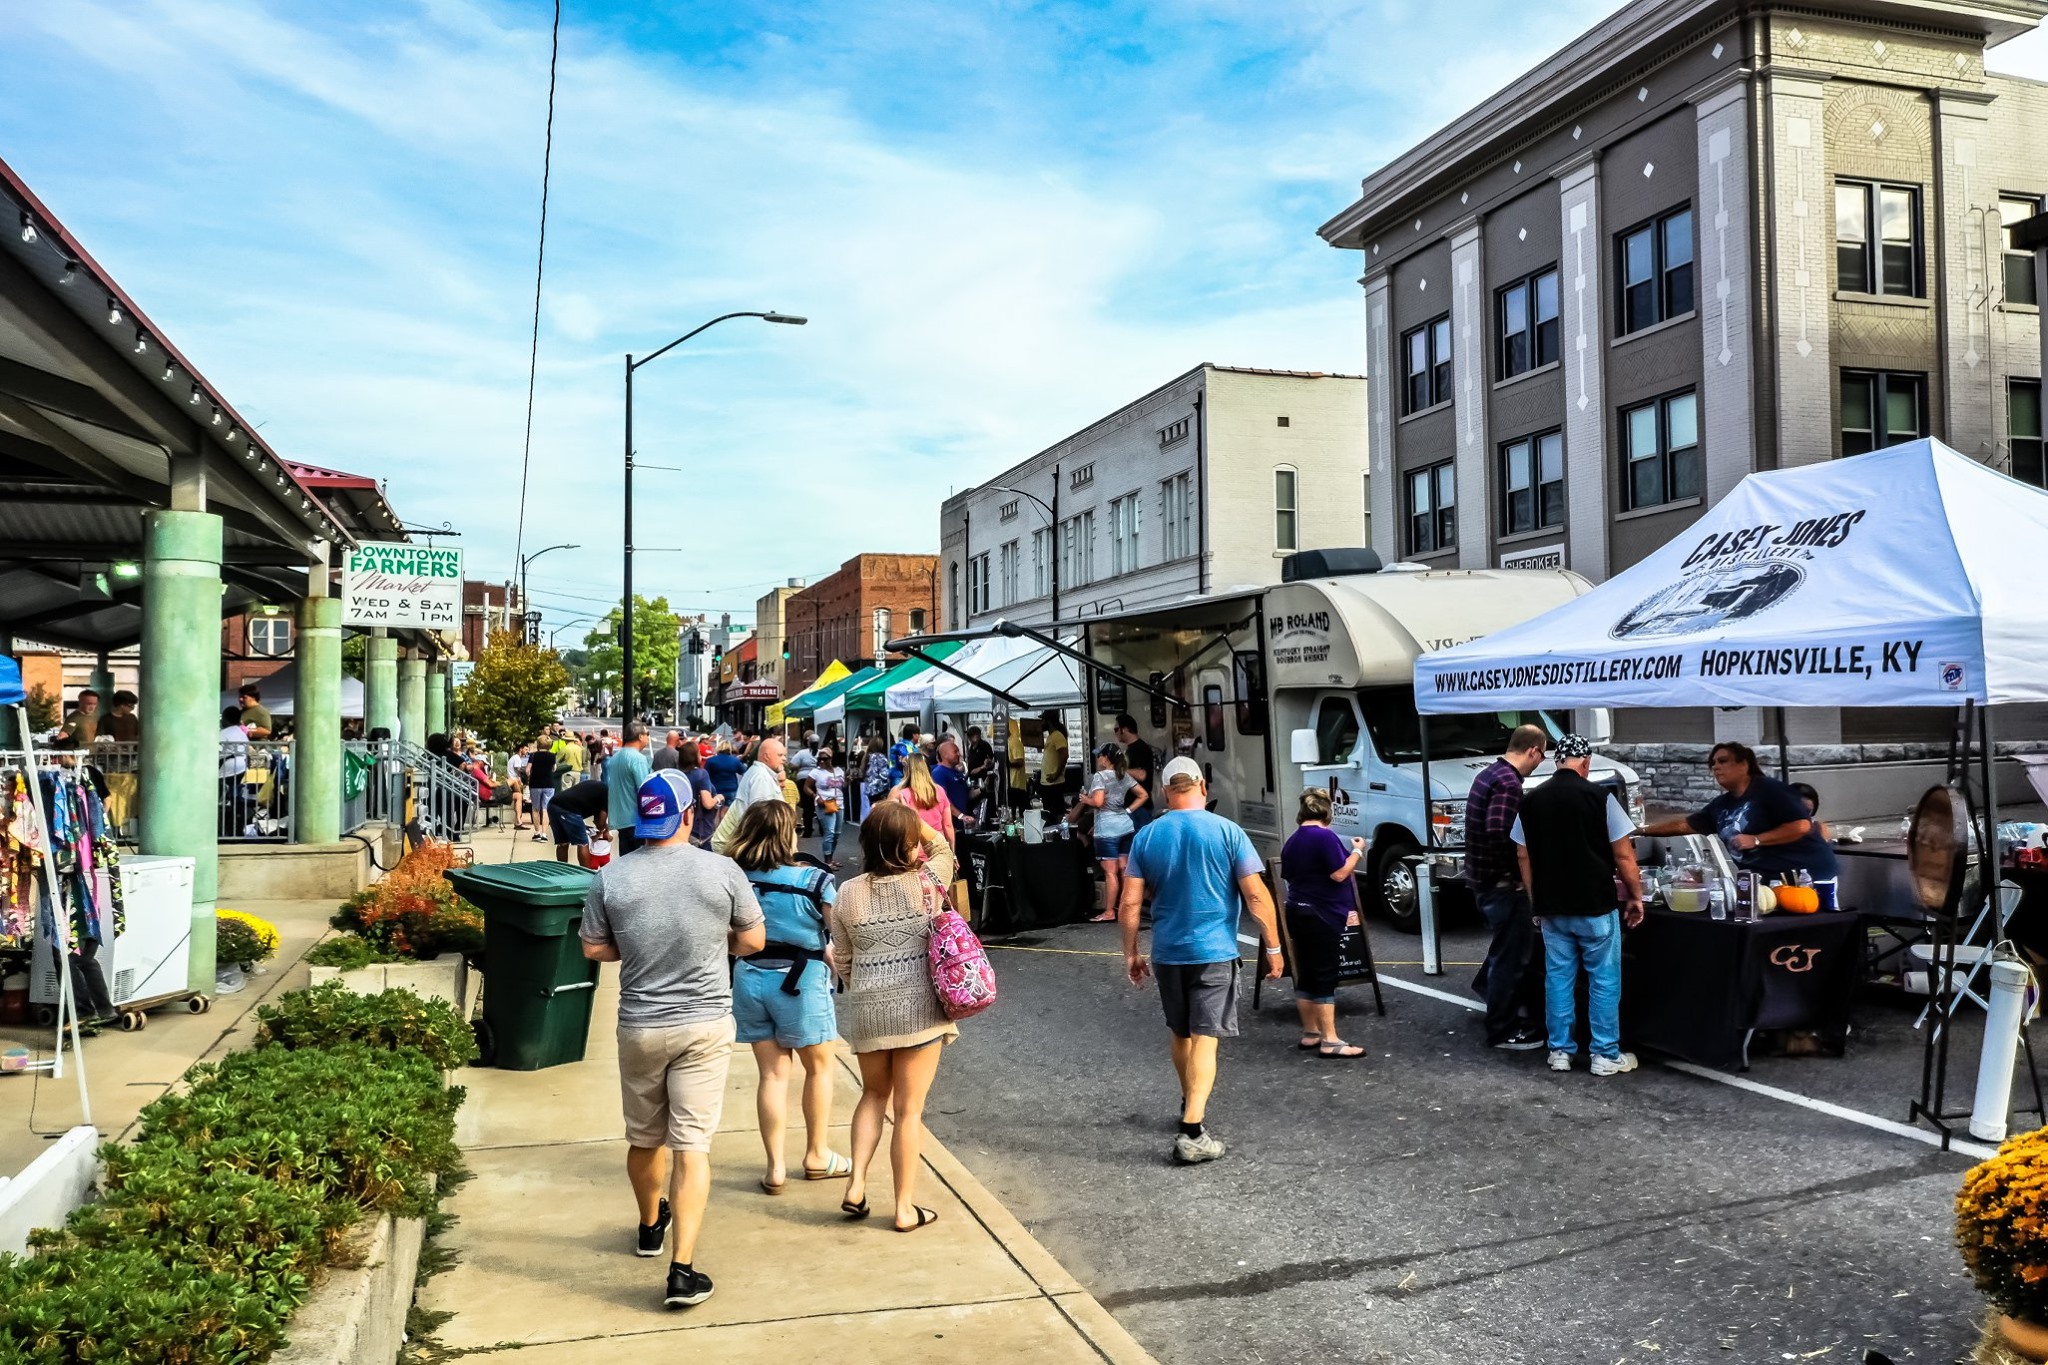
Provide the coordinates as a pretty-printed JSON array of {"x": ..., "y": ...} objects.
[
  {"x": 412, "y": 915},
  {"x": 242, "y": 1189}
]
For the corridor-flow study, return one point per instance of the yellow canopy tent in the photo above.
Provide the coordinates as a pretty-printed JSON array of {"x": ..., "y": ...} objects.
[{"x": 833, "y": 673}]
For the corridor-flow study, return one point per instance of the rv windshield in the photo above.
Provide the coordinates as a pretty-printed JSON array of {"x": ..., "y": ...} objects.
[{"x": 1397, "y": 731}]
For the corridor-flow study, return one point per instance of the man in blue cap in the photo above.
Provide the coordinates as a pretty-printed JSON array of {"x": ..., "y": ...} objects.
[{"x": 668, "y": 916}]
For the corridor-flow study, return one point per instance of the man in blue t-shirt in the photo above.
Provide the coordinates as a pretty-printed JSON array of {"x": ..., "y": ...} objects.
[{"x": 1197, "y": 865}]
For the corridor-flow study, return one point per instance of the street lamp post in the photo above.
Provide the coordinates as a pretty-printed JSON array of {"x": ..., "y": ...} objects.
[
  {"x": 626, "y": 611},
  {"x": 524, "y": 601},
  {"x": 1052, "y": 521}
]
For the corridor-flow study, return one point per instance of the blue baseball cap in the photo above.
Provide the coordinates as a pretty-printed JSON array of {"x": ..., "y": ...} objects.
[{"x": 664, "y": 798}]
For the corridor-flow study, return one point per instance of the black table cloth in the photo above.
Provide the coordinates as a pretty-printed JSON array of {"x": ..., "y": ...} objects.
[
  {"x": 1696, "y": 987},
  {"x": 1016, "y": 887}
]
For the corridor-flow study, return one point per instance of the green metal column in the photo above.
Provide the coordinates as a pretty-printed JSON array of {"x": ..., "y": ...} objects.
[
  {"x": 380, "y": 687},
  {"x": 179, "y": 797},
  {"x": 437, "y": 698},
  {"x": 412, "y": 699},
  {"x": 316, "y": 723}
]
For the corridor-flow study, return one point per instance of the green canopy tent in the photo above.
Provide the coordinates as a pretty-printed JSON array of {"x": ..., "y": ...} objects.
[
  {"x": 805, "y": 704},
  {"x": 872, "y": 696}
]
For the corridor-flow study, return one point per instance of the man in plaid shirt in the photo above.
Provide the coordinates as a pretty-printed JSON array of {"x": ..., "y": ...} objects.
[{"x": 1490, "y": 866}]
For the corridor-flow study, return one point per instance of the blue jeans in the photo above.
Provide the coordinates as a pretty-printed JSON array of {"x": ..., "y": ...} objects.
[
  {"x": 828, "y": 826},
  {"x": 1593, "y": 942}
]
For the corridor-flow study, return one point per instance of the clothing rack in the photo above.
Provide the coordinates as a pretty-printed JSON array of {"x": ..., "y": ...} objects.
[{"x": 67, "y": 1002}]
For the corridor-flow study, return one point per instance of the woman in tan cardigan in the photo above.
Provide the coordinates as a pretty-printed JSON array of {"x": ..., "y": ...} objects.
[{"x": 889, "y": 1013}]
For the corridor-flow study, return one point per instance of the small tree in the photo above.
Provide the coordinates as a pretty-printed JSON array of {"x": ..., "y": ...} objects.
[
  {"x": 514, "y": 690},
  {"x": 45, "y": 711}
]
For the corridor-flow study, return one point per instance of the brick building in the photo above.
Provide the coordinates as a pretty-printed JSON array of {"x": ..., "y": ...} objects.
[
  {"x": 851, "y": 613},
  {"x": 488, "y": 608}
]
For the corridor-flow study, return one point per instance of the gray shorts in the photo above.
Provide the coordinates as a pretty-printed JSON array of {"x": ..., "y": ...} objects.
[{"x": 1199, "y": 1000}]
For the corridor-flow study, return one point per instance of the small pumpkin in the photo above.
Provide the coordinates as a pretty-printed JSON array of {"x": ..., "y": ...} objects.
[{"x": 1799, "y": 900}]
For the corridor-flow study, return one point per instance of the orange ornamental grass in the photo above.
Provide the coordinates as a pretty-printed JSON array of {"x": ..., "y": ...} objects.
[
  {"x": 413, "y": 911},
  {"x": 2002, "y": 1226}
]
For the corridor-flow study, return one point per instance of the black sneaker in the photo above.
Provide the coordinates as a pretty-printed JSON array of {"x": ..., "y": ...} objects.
[
  {"x": 654, "y": 1235},
  {"x": 1521, "y": 1040},
  {"x": 686, "y": 1287}
]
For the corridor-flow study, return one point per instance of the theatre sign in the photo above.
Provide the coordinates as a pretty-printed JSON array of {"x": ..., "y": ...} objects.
[{"x": 402, "y": 585}]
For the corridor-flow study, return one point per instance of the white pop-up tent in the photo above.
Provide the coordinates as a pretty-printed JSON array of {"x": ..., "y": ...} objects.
[
  {"x": 280, "y": 688},
  {"x": 1906, "y": 577},
  {"x": 1021, "y": 668},
  {"x": 914, "y": 693}
]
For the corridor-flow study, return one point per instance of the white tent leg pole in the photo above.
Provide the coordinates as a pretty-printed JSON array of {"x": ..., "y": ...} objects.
[{"x": 67, "y": 1003}]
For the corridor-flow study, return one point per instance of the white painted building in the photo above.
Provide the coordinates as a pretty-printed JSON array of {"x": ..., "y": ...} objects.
[{"x": 1205, "y": 483}]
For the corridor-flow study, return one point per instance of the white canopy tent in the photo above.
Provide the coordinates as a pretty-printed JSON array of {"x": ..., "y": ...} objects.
[
  {"x": 914, "y": 693},
  {"x": 280, "y": 687},
  {"x": 1905, "y": 577},
  {"x": 1041, "y": 678}
]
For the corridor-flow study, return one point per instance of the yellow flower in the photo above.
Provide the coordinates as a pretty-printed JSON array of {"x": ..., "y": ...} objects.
[{"x": 265, "y": 931}]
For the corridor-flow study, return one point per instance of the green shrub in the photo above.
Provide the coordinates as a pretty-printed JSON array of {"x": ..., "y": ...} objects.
[
  {"x": 234, "y": 941},
  {"x": 348, "y": 952},
  {"x": 222, "y": 1214},
  {"x": 331, "y": 1014}
]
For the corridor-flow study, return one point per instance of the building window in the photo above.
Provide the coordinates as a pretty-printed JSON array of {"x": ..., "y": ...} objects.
[
  {"x": 1176, "y": 518},
  {"x": 953, "y": 594},
  {"x": 1284, "y": 537},
  {"x": 1007, "y": 511},
  {"x": 882, "y": 632},
  {"x": 1532, "y": 483},
  {"x": 1172, "y": 432},
  {"x": 1656, "y": 271},
  {"x": 2023, "y": 431},
  {"x": 1082, "y": 476},
  {"x": 1877, "y": 238},
  {"x": 1881, "y": 409},
  {"x": 1428, "y": 349},
  {"x": 1280, "y": 421},
  {"x": 2019, "y": 265},
  {"x": 1660, "y": 444},
  {"x": 1526, "y": 313},
  {"x": 270, "y": 637},
  {"x": 917, "y": 620},
  {"x": 1006, "y": 567},
  {"x": 1041, "y": 560},
  {"x": 1123, "y": 534},
  {"x": 1432, "y": 509},
  {"x": 1077, "y": 563},
  {"x": 1366, "y": 488}
]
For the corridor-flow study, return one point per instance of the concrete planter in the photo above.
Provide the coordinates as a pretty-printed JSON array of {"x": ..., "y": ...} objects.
[
  {"x": 445, "y": 977},
  {"x": 357, "y": 1314}
]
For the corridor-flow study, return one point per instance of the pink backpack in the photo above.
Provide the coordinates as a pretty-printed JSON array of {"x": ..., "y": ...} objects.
[{"x": 961, "y": 974}]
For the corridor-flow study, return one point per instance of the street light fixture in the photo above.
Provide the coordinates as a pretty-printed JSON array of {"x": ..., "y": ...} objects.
[
  {"x": 524, "y": 560},
  {"x": 1052, "y": 520},
  {"x": 626, "y": 611}
]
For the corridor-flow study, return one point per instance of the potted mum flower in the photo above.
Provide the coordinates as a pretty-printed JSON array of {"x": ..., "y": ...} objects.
[{"x": 2002, "y": 1231}]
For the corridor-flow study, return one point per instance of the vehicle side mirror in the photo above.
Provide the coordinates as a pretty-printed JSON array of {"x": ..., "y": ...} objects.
[
  {"x": 1305, "y": 748},
  {"x": 1596, "y": 723}
]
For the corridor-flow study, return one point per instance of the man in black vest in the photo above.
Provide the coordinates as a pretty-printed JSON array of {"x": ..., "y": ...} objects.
[{"x": 1573, "y": 842}]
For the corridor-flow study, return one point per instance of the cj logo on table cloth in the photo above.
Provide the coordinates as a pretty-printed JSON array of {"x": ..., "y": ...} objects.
[
  {"x": 1733, "y": 575},
  {"x": 1794, "y": 958}
]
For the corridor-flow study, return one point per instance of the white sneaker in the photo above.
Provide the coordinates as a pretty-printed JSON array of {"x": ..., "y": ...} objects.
[
  {"x": 1189, "y": 1151},
  {"x": 1560, "y": 1060},
  {"x": 1614, "y": 1066}
]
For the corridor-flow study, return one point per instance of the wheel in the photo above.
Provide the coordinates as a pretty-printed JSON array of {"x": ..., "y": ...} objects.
[
  {"x": 199, "y": 1004},
  {"x": 486, "y": 1043},
  {"x": 1393, "y": 886},
  {"x": 46, "y": 1015},
  {"x": 133, "y": 1021}
]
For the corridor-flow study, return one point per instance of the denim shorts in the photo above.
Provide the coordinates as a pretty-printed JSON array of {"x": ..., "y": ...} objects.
[
  {"x": 763, "y": 1013},
  {"x": 1117, "y": 846},
  {"x": 568, "y": 828}
]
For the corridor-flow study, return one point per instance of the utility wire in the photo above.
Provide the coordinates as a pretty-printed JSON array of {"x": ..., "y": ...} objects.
[{"x": 547, "y": 159}]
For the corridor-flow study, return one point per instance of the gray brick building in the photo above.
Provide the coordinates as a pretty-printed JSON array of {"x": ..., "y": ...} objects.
[{"x": 1705, "y": 238}]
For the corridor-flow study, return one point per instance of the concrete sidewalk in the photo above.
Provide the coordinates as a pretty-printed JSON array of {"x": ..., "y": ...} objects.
[{"x": 545, "y": 1241}]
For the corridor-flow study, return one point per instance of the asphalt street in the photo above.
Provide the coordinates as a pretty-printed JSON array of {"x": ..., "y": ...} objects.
[{"x": 1443, "y": 1203}]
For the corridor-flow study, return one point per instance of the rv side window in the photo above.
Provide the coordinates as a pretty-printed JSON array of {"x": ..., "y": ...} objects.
[
  {"x": 1251, "y": 693},
  {"x": 1336, "y": 731},
  {"x": 1212, "y": 717}
]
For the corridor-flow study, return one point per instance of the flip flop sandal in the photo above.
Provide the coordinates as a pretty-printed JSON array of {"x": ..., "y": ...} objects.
[
  {"x": 1349, "y": 1052},
  {"x": 924, "y": 1216},
  {"x": 854, "y": 1212},
  {"x": 1307, "y": 1044},
  {"x": 838, "y": 1168},
  {"x": 772, "y": 1186}
]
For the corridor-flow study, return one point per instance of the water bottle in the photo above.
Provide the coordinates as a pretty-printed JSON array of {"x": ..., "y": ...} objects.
[{"x": 1717, "y": 899}]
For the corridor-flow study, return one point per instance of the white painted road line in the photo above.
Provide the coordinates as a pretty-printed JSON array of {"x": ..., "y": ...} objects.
[{"x": 1882, "y": 1125}]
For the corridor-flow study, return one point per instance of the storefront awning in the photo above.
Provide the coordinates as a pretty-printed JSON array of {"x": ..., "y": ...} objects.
[{"x": 760, "y": 689}]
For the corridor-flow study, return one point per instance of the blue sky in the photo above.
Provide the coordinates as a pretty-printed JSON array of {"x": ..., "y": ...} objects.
[{"x": 1002, "y": 219}]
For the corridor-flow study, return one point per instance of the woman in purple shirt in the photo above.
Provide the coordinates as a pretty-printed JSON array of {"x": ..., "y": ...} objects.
[{"x": 1320, "y": 904}]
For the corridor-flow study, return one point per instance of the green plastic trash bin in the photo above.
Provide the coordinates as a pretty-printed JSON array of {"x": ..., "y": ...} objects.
[{"x": 537, "y": 983}]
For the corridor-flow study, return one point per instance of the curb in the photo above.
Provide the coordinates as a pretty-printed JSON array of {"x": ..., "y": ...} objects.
[{"x": 1075, "y": 1303}]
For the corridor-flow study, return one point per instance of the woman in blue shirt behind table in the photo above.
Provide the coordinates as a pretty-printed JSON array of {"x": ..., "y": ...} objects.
[
  {"x": 782, "y": 995},
  {"x": 1320, "y": 903},
  {"x": 1767, "y": 828}
]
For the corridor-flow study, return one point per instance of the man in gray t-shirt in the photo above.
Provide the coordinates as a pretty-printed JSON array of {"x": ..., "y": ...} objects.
[{"x": 668, "y": 916}]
